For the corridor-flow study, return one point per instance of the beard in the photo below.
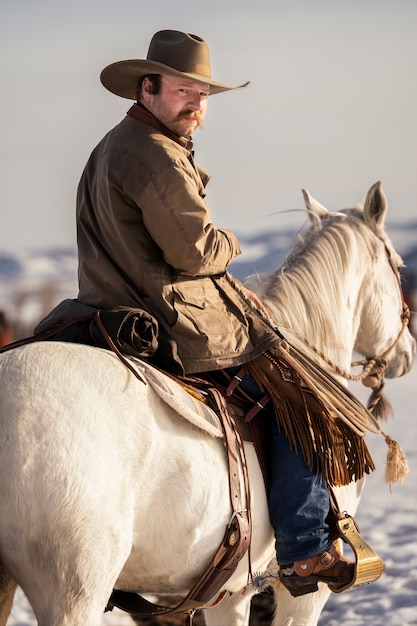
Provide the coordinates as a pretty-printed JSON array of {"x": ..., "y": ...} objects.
[{"x": 182, "y": 123}]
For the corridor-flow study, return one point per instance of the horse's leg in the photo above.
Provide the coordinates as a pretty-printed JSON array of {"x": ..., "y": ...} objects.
[
  {"x": 302, "y": 611},
  {"x": 77, "y": 599},
  {"x": 233, "y": 609},
  {"x": 55, "y": 606},
  {"x": 7, "y": 590},
  {"x": 68, "y": 577}
]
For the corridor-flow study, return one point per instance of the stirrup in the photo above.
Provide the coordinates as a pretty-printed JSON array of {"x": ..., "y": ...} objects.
[{"x": 368, "y": 567}]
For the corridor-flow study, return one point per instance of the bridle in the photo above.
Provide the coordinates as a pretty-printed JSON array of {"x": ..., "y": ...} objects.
[{"x": 373, "y": 372}]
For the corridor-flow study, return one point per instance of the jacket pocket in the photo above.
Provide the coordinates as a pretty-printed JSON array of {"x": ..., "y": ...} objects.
[{"x": 201, "y": 309}]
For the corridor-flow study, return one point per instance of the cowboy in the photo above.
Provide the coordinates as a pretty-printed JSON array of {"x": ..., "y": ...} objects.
[{"x": 146, "y": 238}]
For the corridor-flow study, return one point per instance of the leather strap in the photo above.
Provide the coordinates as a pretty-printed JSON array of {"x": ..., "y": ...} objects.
[
  {"x": 236, "y": 380},
  {"x": 258, "y": 406},
  {"x": 43, "y": 336},
  {"x": 116, "y": 350},
  {"x": 235, "y": 543}
]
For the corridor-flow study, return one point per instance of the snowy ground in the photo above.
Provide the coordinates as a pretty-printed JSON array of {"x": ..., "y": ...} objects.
[{"x": 388, "y": 522}]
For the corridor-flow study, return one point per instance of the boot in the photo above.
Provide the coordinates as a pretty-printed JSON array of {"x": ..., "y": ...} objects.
[{"x": 330, "y": 566}]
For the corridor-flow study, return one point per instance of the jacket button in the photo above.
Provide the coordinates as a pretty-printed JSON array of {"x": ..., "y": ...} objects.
[{"x": 204, "y": 305}]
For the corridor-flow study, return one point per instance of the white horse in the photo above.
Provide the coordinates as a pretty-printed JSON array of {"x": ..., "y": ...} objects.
[{"x": 104, "y": 486}]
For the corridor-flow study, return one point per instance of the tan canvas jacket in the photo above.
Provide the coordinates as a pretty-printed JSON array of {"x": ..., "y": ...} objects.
[{"x": 145, "y": 235}]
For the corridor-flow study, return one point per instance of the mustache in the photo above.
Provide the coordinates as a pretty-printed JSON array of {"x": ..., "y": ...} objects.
[{"x": 197, "y": 115}]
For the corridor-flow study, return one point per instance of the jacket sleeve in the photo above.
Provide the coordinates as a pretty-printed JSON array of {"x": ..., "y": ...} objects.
[{"x": 176, "y": 216}]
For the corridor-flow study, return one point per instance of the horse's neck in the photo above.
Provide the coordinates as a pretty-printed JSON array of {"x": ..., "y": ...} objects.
[{"x": 318, "y": 306}]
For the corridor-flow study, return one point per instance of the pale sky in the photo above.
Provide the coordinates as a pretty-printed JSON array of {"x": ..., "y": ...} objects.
[{"x": 332, "y": 105}]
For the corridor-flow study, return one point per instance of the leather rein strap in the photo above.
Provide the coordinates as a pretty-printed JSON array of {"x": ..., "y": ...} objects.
[{"x": 235, "y": 543}]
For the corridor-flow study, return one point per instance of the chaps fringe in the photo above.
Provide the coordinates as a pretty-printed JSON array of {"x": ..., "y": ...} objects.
[
  {"x": 311, "y": 422},
  {"x": 338, "y": 402}
]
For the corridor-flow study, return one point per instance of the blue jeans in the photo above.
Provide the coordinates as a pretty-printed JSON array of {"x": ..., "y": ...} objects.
[{"x": 298, "y": 499}]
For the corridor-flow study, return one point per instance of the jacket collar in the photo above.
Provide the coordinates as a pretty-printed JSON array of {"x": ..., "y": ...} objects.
[{"x": 139, "y": 112}]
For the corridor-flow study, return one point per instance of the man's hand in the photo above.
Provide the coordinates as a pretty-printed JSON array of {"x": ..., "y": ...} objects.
[{"x": 257, "y": 303}]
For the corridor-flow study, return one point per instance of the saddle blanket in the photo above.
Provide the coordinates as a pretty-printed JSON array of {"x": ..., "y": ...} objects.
[{"x": 174, "y": 394}]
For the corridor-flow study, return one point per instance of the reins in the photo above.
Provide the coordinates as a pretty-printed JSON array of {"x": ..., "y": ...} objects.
[{"x": 373, "y": 367}]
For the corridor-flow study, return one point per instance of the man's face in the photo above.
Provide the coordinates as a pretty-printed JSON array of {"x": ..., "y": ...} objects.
[{"x": 180, "y": 103}]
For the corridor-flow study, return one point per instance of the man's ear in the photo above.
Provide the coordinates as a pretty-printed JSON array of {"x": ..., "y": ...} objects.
[
  {"x": 146, "y": 90},
  {"x": 147, "y": 86}
]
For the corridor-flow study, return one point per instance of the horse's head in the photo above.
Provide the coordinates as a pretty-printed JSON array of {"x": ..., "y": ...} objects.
[{"x": 380, "y": 313}]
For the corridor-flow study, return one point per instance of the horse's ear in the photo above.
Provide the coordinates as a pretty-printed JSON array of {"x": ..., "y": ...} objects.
[
  {"x": 316, "y": 211},
  {"x": 375, "y": 208}
]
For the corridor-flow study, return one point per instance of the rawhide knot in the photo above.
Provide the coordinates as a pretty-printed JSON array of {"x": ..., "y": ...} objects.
[
  {"x": 375, "y": 377},
  {"x": 406, "y": 314}
]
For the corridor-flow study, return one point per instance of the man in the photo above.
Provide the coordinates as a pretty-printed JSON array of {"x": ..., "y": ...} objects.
[{"x": 145, "y": 235}]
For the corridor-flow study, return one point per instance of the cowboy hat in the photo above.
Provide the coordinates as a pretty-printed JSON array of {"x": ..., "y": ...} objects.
[{"x": 172, "y": 53}]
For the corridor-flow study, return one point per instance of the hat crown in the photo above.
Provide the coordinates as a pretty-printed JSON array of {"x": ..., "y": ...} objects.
[
  {"x": 171, "y": 53},
  {"x": 181, "y": 51}
]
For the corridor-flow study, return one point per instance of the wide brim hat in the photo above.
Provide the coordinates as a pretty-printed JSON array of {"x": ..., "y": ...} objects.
[{"x": 171, "y": 53}]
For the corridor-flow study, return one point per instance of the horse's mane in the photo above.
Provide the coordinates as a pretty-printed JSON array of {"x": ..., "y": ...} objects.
[{"x": 306, "y": 290}]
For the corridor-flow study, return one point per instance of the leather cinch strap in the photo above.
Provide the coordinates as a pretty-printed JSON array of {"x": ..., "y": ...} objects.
[{"x": 235, "y": 543}]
